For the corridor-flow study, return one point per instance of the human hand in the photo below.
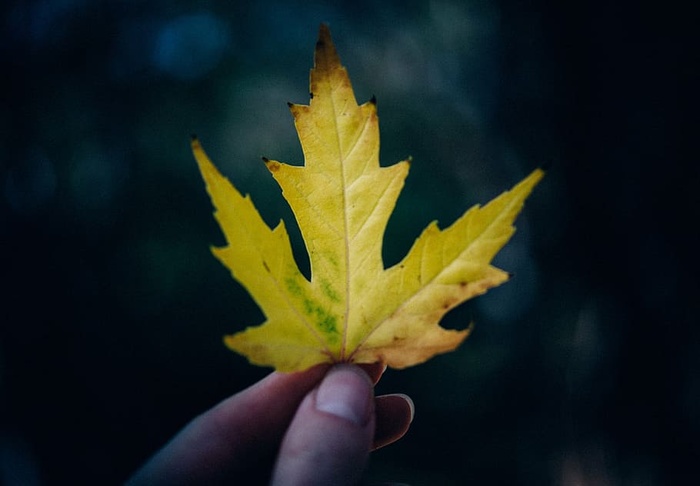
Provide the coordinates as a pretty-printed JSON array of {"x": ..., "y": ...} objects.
[{"x": 313, "y": 427}]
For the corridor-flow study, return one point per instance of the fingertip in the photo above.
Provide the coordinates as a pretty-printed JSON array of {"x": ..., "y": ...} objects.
[
  {"x": 374, "y": 371},
  {"x": 409, "y": 403},
  {"x": 394, "y": 414}
]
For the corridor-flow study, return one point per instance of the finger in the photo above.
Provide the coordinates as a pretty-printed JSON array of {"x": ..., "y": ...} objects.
[
  {"x": 241, "y": 431},
  {"x": 330, "y": 437},
  {"x": 374, "y": 371},
  {"x": 394, "y": 416}
]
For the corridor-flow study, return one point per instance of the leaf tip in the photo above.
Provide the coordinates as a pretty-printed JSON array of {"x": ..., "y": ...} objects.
[
  {"x": 373, "y": 100},
  {"x": 324, "y": 34},
  {"x": 325, "y": 56}
]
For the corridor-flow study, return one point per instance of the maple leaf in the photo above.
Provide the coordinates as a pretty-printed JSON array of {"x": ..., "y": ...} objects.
[{"x": 352, "y": 309}]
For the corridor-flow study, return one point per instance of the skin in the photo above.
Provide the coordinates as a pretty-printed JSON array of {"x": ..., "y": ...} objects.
[{"x": 315, "y": 427}]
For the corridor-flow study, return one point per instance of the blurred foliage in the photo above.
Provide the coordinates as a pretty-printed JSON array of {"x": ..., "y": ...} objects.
[{"x": 581, "y": 370}]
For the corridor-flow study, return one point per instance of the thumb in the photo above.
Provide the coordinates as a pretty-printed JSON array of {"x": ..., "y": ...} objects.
[{"x": 330, "y": 437}]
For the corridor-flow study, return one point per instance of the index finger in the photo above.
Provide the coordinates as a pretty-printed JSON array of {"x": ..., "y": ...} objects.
[{"x": 241, "y": 431}]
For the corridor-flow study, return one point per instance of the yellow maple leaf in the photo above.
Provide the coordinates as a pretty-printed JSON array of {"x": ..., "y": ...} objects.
[{"x": 352, "y": 309}]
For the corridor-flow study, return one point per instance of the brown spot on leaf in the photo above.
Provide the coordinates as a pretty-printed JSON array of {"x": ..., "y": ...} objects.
[{"x": 273, "y": 166}]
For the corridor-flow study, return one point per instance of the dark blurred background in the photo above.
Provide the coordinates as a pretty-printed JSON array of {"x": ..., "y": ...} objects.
[{"x": 583, "y": 370}]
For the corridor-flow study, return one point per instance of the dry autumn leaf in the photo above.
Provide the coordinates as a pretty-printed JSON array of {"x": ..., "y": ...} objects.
[{"x": 352, "y": 309}]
